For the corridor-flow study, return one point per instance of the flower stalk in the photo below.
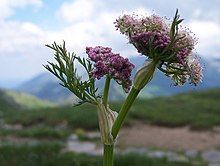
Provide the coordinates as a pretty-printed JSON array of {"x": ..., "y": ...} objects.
[
  {"x": 106, "y": 91},
  {"x": 124, "y": 110},
  {"x": 108, "y": 155},
  {"x": 108, "y": 145}
]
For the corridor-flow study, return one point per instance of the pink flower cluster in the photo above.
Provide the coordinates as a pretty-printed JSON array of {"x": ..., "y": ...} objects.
[
  {"x": 144, "y": 33},
  {"x": 195, "y": 70},
  {"x": 185, "y": 44},
  {"x": 113, "y": 65},
  {"x": 140, "y": 41},
  {"x": 131, "y": 25},
  {"x": 152, "y": 37},
  {"x": 191, "y": 71}
]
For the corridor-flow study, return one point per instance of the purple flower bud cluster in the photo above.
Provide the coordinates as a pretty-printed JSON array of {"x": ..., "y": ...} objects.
[
  {"x": 182, "y": 55},
  {"x": 143, "y": 40},
  {"x": 145, "y": 33},
  {"x": 160, "y": 41},
  {"x": 113, "y": 65}
]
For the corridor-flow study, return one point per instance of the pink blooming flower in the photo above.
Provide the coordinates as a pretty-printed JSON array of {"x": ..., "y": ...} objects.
[
  {"x": 185, "y": 44},
  {"x": 113, "y": 65},
  {"x": 156, "y": 39},
  {"x": 166, "y": 44},
  {"x": 147, "y": 34},
  {"x": 194, "y": 69},
  {"x": 131, "y": 25}
]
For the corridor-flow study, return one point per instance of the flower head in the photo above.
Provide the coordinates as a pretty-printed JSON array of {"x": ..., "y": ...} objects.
[
  {"x": 131, "y": 25},
  {"x": 157, "y": 40},
  {"x": 113, "y": 65},
  {"x": 194, "y": 69},
  {"x": 167, "y": 44}
]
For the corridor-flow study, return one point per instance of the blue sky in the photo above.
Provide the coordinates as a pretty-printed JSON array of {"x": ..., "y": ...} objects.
[{"x": 27, "y": 25}]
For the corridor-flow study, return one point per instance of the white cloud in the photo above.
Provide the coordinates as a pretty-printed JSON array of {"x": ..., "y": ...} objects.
[
  {"x": 91, "y": 23},
  {"x": 7, "y": 6},
  {"x": 18, "y": 37},
  {"x": 208, "y": 33},
  {"x": 141, "y": 11},
  {"x": 79, "y": 10},
  {"x": 22, "y": 51},
  {"x": 205, "y": 28}
]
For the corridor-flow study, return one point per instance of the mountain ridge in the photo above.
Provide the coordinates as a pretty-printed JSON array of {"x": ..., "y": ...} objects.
[{"x": 46, "y": 86}]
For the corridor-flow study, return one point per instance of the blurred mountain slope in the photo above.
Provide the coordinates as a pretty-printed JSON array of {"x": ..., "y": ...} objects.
[
  {"x": 46, "y": 86},
  {"x": 18, "y": 100}
]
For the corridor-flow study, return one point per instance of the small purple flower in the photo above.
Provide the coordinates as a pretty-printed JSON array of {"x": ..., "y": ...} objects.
[
  {"x": 113, "y": 65},
  {"x": 142, "y": 41}
]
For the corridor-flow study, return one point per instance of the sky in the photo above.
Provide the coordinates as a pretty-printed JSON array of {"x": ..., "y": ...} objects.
[{"x": 27, "y": 25}]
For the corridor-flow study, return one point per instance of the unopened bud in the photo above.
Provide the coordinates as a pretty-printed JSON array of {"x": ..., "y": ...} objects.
[{"x": 144, "y": 74}]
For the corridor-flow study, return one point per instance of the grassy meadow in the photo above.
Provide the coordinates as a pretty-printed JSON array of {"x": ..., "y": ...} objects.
[
  {"x": 49, "y": 154},
  {"x": 52, "y": 125},
  {"x": 199, "y": 110}
]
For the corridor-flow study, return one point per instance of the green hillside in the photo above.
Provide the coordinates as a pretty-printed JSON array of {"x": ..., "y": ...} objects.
[
  {"x": 199, "y": 110},
  {"x": 7, "y": 102},
  {"x": 16, "y": 100}
]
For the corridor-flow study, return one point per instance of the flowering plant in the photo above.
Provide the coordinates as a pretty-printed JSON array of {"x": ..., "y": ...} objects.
[{"x": 167, "y": 47}]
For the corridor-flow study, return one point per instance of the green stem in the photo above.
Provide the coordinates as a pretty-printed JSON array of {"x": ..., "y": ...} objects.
[
  {"x": 108, "y": 155},
  {"x": 106, "y": 90},
  {"x": 108, "y": 149},
  {"x": 123, "y": 112}
]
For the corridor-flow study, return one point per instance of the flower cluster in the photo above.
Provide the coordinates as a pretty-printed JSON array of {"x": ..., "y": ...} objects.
[
  {"x": 156, "y": 39},
  {"x": 195, "y": 69},
  {"x": 192, "y": 72},
  {"x": 185, "y": 45},
  {"x": 167, "y": 44},
  {"x": 131, "y": 25},
  {"x": 146, "y": 33},
  {"x": 113, "y": 65}
]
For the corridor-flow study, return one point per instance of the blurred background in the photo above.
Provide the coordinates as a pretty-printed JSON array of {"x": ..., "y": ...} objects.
[{"x": 166, "y": 126}]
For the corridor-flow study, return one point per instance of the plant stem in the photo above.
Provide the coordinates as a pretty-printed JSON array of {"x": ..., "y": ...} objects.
[
  {"x": 108, "y": 155},
  {"x": 108, "y": 149},
  {"x": 106, "y": 90},
  {"x": 123, "y": 112}
]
